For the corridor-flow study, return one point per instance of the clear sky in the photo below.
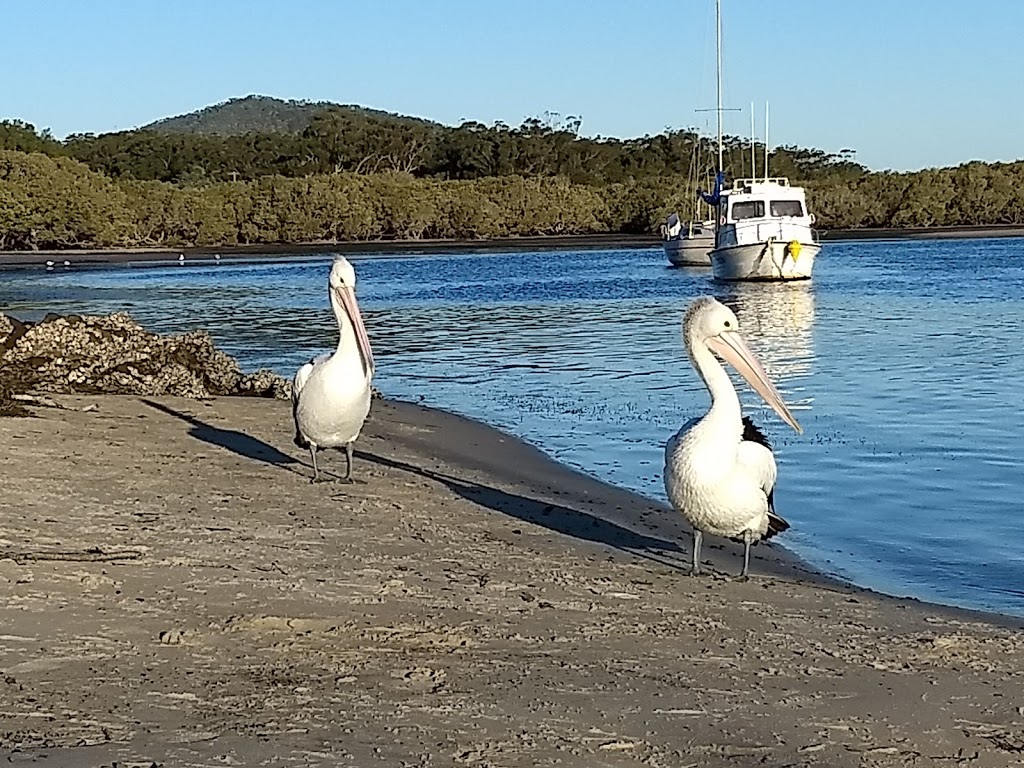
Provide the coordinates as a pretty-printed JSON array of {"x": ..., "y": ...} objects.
[{"x": 906, "y": 83}]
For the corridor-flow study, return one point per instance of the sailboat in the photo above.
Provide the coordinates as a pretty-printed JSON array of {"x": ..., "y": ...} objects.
[
  {"x": 688, "y": 243},
  {"x": 764, "y": 230}
]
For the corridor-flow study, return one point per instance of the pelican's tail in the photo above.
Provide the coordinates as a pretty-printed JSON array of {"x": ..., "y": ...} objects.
[
  {"x": 301, "y": 376},
  {"x": 775, "y": 525}
]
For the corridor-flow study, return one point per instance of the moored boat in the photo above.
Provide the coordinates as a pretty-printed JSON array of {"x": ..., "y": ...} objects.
[
  {"x": 763, "y": 228},
  {"x": 687, "y": 243},
  {"x": 765, "y": 232}
]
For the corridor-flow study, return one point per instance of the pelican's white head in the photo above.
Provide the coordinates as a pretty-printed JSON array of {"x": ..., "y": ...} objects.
[
  {"x": 342, "y": 289},
  {"x": 711, "y": 325},
  {"x": 342, "y": 274},
  {"x": 706, "y": 318}
]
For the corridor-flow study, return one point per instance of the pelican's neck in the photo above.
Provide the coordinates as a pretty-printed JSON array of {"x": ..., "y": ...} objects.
[
  {"x": 725, "y": 403},
  {"x": 346, "y": 333}
]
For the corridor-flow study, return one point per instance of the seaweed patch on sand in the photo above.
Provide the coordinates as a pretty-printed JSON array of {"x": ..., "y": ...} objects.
[{"x": 112, "y": 354}]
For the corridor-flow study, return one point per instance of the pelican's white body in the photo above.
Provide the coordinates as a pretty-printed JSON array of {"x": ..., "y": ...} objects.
[
  {"x": 718, "y": 481},
  {"x": 331, "y": 396}
]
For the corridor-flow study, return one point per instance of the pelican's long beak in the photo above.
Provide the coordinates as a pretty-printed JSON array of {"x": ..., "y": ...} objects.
[
  {"x": 731, "y": 347},
  {"x": 347, "y": 297}
]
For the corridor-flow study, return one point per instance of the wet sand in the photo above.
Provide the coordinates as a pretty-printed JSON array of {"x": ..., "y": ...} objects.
[
  {"x": 100, "y": 257},
  {"x": 177, "y": 593},
  {"x": 114, "y": 256}
]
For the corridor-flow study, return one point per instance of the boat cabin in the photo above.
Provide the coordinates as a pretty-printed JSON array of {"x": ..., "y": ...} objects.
[{"x": 756, "y": 210}]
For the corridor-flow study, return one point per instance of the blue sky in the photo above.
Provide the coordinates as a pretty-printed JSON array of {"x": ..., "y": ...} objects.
[{"x": 910, "y": 84}]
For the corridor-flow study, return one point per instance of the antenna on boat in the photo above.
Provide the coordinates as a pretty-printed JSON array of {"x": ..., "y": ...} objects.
[
  {"x": 753, "y": 161},
  {"x": 766, "y": 141}
]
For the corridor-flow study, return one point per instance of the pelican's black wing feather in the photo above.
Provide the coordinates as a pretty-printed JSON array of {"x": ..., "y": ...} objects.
[{"x": 753, "y": 434}]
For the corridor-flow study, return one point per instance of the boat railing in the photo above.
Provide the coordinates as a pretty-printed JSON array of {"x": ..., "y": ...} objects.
[{"x": 740, "y": 184}]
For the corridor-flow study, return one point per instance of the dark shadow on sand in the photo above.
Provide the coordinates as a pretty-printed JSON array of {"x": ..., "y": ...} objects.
[
  {"x": 564, "y": 520},
  {"x": 234, "y": 441}
]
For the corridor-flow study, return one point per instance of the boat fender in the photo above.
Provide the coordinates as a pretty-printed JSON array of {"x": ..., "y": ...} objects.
[{"x": 794, "y": 249}]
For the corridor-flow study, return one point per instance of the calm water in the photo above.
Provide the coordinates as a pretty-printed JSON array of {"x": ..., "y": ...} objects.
[{"x": 901, "y": 361}]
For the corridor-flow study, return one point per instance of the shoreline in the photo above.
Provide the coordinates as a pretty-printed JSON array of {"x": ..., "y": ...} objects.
[
  {"x": 102, "y": 256},
  {"x": 787, "y": 562},
  {"x": 177, "y": 592},
  {"x": 783, "y": 562}
]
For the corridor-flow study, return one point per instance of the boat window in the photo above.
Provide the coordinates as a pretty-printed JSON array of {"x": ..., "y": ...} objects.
[
  {"x": 753, "y": 209},
  {"x": 787, "y": 208}
]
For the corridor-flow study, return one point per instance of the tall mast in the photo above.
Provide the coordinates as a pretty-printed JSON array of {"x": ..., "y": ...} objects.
[
  {"x": 753, "y": 161},
  {"x": 718, "y": 25}
]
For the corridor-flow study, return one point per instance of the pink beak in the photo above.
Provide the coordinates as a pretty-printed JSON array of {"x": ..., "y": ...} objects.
[
  {"x": 731, "y": 347},
  {"x": 347, "y": 297}
]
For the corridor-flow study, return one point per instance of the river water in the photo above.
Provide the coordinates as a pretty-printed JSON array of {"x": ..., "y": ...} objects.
[{"x": 900, "y": 359}]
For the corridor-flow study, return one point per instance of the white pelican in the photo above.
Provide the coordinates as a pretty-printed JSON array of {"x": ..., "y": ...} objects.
[
  {"x": 719, "y": 469},
  {"x": 331, "y": 393}
]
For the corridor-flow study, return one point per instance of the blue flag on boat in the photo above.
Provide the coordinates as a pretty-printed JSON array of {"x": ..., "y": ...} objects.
[{"x": 716, "y": 194}]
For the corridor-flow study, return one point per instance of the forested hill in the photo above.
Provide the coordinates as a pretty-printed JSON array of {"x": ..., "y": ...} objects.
[
  {"x": 246, "y": 139},
  {"x": 261, "y": 114}
]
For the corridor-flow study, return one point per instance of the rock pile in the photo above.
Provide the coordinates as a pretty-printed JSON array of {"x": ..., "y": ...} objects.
[{"x": 113, "y": 354}]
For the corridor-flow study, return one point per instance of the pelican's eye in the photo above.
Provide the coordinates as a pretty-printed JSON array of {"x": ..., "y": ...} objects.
[{"x": 728, "y": 323}]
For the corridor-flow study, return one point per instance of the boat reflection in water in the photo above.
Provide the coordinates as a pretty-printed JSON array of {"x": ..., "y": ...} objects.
[{"x": 777, "y": 319}]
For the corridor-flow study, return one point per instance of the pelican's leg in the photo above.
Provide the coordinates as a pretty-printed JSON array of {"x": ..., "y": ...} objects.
[
  {"x": 348, "y": 462},
  {"x": 698, "y": 538},
  {"x": 748, "y": 538},
  {"x": 316, "y": 471}
]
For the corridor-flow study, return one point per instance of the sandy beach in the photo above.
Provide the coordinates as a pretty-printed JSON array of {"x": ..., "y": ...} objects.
[{"x": 176, "y": 593}]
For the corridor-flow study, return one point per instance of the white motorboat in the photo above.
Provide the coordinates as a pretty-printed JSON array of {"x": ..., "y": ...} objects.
[{"x": 766, "y": 232}]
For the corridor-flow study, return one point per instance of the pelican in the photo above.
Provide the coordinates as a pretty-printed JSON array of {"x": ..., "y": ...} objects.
[
  {"x": 719, "y": 469},
  {"x": 331, "y": 393}
]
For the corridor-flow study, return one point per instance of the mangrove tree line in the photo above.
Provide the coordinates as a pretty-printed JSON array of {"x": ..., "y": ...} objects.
[{"x": 355, "y": 175}]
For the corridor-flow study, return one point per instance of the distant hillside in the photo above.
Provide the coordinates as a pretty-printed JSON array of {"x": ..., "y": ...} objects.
[{"x": 263, "y": 114}]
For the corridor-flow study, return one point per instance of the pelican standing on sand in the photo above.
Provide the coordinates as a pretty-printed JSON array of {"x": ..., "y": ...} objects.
[
  {"x": 331, "y": 393},
  {"x": 719, "y": 469}
]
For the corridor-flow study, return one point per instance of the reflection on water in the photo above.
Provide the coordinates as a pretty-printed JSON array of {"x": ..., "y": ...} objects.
[
  {"x": 777, "y": 320},
  {"x": 900, "y": 358}
]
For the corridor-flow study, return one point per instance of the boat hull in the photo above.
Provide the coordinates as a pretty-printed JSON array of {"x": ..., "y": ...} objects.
[
  {"x": 689, "y": 251},
  {"x": 771, "y": 260}
]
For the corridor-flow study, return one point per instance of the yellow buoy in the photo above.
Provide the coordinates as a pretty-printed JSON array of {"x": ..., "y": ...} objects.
[{"x": 794, "y": 249}]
